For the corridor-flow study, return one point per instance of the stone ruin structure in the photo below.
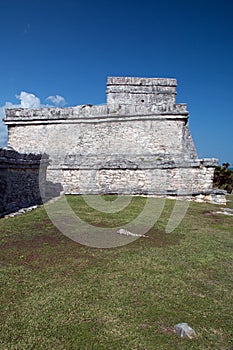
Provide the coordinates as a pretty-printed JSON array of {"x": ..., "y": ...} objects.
[
  {"x": 137, "y": 143},
  {"x": 21, "y": 185}
]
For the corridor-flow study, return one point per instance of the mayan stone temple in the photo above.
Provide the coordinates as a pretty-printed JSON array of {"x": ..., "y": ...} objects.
[{"x": 137, "y": 143}]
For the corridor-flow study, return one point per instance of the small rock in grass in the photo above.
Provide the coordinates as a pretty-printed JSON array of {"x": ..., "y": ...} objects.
[
  {"x": 122, "y": 231},
  {"x": 184, "y": 330}
]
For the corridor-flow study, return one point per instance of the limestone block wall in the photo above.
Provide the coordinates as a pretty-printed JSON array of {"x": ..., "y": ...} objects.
[
  {"x": 141, "y": 90},
  {"x": 19, "y": 180},
  {"x": 163, "y": 138},
  {"x": 161, "y": 180},
  {"x": 139, "y": 142}
]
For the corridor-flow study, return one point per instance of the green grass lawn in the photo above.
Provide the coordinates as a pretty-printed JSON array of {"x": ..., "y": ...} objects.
[{"x": 58, "y": 294}]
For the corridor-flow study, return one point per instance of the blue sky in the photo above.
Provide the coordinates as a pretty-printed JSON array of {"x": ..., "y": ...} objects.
[{"x": 65, "y": 50}]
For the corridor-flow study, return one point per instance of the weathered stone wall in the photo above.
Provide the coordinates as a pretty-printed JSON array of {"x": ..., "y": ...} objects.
[
  {"x": 165, "y": 139},
  {"x": 139, "y": 142},
  {"x": 19, "y": 180},
  {"x": 160, "y": 181},
  {"x": 141, "y": 90}
]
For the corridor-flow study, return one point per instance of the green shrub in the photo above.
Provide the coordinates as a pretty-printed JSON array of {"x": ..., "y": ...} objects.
[{"x": 223, "y": 177}]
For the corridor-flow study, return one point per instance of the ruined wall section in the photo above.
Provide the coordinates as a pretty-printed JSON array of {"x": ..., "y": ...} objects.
[
  {"x": 158, "y": 91},
  {"x": 104, "y": 131},
  {"x": 140, "y": 118},
  {"x": 122, "y": 139},
  {"x": 20, "y": 183},
  {"x": 138, "y": 143},
  {"x": 163, "y": 179}
]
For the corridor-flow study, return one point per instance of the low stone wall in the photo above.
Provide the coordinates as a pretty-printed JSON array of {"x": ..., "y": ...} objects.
[
  {"x": 176, "y": 181},
  {"x": 22, "y": 177},
  {"x": 152, "y": 177}
]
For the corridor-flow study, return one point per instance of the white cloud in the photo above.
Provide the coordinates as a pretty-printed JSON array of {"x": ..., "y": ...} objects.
[
  {"x": 28, "y": 100},
  {"x": 57, "y": 100}
]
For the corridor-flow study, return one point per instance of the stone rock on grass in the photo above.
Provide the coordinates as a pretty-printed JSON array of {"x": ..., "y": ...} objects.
[{"x": 184, "y": 330}]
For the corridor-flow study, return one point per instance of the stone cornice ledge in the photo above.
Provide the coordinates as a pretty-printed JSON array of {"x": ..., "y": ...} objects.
[
  {"x": 96, "y": 112},
  {"x": 99, "y": 164},
  {"x": 141, "y": 81}
]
